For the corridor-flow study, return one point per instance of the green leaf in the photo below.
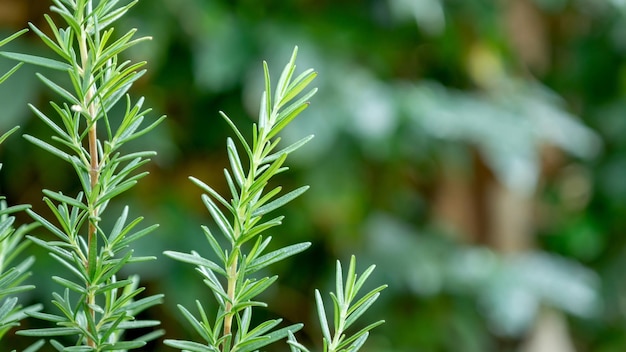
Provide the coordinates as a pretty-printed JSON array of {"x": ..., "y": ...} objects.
[
  {"x": 5, "y": 41},
  {"x": 321, "y": 313},
  {"x": 48, "y": 41},
  {"x": 285, "y": 76},
  {"x": 214, "y": 244},
  {"x": 69, "y": 284},
  {"x": 37, "y": 60},
  {"x": 59, "y": 90},
  {"x": 295, "y": 146},
  {"x": 362, "y": 305},
  {"x": 124, "y": 345},
  {"x": 219, "y": 218},
  {"x": 294, "y": 345},
  {"x": 203, "y": 330},
  {"x": 128, "y": 239},
  {"x": 299, "y": 85},
  {"x": 280, "y": 201},
  {"x": 47, "y": 147},
  {"x": 339, "y": 284},
  {"x": 238, "y": 134},
  {"x": 48, "y": 332},
  {"x": 286, "y": 116},
  {"x": 35, "y": 346},
  {"x": 6, "y": 135},
  {"x": 263, "y": 327},
  {"x": 190, "y": 346},
  {"x": 258, "y": 229},
  {"x": 249, "y": 290},
  {"x": 270, "y": 338},
  {"x": 235, "y": 162},
  {"x": 49, "y": 122},
  {"x": 195, "y": 259},
  {"x": 48, "y": 225},
  {"x": 211, "y": 192},
  {"x": 10, "y": 72},
  {"x": 276, "y": 256},
  {"x": 266, "y": 105},
  {"x": 61, "y": 198}
]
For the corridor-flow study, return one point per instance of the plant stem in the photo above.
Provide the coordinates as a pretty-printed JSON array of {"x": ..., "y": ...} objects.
[
  {"x": 240, "y": 225},
  {"x": 232, "y": 285},
  {"x": 339, "y": 333},
  {"x": 94, "y": 167}
]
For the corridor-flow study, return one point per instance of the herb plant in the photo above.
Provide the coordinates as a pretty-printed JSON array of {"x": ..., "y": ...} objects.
[
  {"x": 11, "y": 247},
  {"x": 12, "y": 277},
  {"x": 233, "y": 273},
  {"x": 95, "y": 307}
]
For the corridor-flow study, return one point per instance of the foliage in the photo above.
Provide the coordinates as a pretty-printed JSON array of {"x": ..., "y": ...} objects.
[
  {"x": 95, "y": 307},
  {"x": 13, "y": 276},
  {"x": 237, "y": 296},
  {"x": 414, "y": 93},
  {"x": 11, "y": 246},
  {"x": 346, "y": 311}
]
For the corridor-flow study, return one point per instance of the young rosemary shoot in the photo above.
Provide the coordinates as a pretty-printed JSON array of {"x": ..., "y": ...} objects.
[
  {"x": 346, "y": 312},
  {"x": 95, "y": 306},
  {"x": 238, "y": 287},
  {"x": 230, "y": 275}
]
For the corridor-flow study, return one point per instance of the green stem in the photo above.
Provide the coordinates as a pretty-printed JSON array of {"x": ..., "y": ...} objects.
[
  {"x": 339, "y": 333},
  {"x": 94, "y": 167},
  {"x": 239, "y": 228},
  {"x": 232, "y": 286}
]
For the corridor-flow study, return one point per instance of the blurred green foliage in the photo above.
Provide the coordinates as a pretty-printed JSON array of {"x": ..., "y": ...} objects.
[{"x": 424, "y": 106}]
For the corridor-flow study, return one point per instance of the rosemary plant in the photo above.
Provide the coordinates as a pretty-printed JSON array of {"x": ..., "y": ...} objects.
[
  {"x": 12, "y": 277},
  {"x": 232, "y": 274},
  {"x": 11, "y": 247},
  {"x": 346, "y": 312},
  {"x": 95, "y": 307}
]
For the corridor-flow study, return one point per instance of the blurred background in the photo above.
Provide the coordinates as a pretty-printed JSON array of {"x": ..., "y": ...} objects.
[{"x": 473, "y": 150}]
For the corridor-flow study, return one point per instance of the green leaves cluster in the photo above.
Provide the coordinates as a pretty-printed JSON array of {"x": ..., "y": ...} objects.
[
  {"x": 12, "y": 276},
  {"x": 230, "y": 275},
  {"x": 95, "y": 306},
  {"x": 346, "y": 311},
  {"x": 12, "y": 246}
]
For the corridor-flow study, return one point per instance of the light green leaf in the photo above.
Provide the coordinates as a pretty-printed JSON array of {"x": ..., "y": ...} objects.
[
  {"x": 59, "y": 90},
  {"x": 10, "y": 72},
  {"x": 287, "y": 150},
  {"x": 270, "y": 338},
  {"x": 276, "y": 256},
  {"x": 321, "y": 313},
  {"x": 195, "y": 259},
  {"x": 49, "y": 148},
  {"x": 238, "y": 134},
  {"x": 280, "y": 201},
  {"x": 61, "y": 198},
  {"x": 12, "y": 36},
  {"x": 300, "y": 84},
  {"x": 190, "y": 346},
  {"x": 37, "y": 60},
  {"x": 47, "y": 332},
  {"x": 8, "y": 133}
]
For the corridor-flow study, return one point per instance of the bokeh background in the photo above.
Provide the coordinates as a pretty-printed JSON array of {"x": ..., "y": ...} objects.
[{"x": 473, "y": 149}]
